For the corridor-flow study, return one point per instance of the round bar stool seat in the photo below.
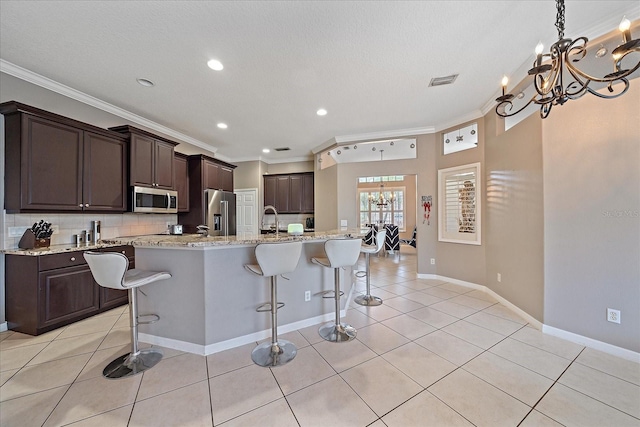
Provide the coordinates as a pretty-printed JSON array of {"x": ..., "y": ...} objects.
[
  {"x": 111, "y": 270},
  {"x": 274, "y": 259},
  {"x": 367, "y": 250},
  {"x": 339, "y": 253}
]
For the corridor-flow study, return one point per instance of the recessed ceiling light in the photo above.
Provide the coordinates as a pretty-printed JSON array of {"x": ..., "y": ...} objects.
[
  {"x": 145, "y": 82},
  {"x": 222, "y": 125},
  {"x": 214, "y": 64},
  {"x": 321, "y": 112},
  {"x": 266, "y": 150}
]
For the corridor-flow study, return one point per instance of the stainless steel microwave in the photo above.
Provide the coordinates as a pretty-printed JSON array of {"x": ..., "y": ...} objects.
[{"x": 154, "y": 200}]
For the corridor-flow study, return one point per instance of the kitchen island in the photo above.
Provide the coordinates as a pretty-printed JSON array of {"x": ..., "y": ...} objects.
[{"x": 209, "y": 303}]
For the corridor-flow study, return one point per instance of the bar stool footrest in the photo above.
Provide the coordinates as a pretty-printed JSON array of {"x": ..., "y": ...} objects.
[
  {"x": 147, "y": 322},
  {"x": 262, "y": 308},
  {"x": 331, "y": 294}
]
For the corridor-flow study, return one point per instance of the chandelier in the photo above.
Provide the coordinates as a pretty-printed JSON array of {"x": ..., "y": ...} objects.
[
  {"x": 381, "y": 201},
  {"x": 558, "y": 79}
]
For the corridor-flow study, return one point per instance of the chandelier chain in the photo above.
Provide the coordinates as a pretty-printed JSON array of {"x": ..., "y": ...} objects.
[{"x": 560, "y": 18}]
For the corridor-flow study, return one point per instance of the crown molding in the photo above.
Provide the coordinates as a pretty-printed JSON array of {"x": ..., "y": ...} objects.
[
  {"x": 46, "y": 83},
  {"x": 271, "y": 161}
]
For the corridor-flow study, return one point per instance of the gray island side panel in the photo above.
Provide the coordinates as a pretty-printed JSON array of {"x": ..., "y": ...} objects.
[{"x": 212, "y": 298}]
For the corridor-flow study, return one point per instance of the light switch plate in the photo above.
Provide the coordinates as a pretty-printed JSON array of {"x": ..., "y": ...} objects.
[{"x": 343, "y": 223}]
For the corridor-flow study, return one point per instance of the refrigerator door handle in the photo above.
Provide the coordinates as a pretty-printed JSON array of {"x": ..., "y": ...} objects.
[{"x": 225, "y": 226}]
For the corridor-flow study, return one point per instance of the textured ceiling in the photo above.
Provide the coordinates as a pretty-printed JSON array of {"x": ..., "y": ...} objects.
[{"x": 368, "y": 63}]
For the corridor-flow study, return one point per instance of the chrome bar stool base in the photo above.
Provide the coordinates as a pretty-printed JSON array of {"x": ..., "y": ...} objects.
[
  {"x": 128, "y": 366},
  {"x": 368, "y": 300},
  {"x": 337, "y": 333},
  {"x": 270, "y": 354}
]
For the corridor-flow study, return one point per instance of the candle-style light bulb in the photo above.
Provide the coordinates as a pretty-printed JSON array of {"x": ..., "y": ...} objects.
[
  {"x": 505, "y": 80},
  {"x": 539, "y": 49},
  {"x": 625, "y": 29},
  {"x": 625, "y": 24}
]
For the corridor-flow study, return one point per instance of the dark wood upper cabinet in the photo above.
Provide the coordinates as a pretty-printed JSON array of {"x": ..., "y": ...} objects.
[
  {"x": 181, "y": 168},
  {"x": 211, "y": 175},
  {"x": 53, "y": 163},
  {"x": 289, "y": 193},
  {"x": 270, "y": 182},
  {"x": 308, "y": 205},
  {"x": 151, "y": 158},
  {"x": 283, "y": 194},
  {"x": 204, "y": 173},
  {"x": 225, "y": 177},
  {"x": 104, "y": 188}
]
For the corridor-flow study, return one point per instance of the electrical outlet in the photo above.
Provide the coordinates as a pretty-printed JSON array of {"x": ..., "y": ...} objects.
[
  {"x": 499, "y": 277},
  {"x": 307, "y": 295},
  {"x": 16, "y": 231},
  {"x": 613, "y": 315},
  {"x": 433, "y": 261}
]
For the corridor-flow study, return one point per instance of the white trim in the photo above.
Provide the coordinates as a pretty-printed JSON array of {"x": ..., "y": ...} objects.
[
  {"x": 45, "y": 82},
  {"x": 4, "y": 327},
  {"x": 269, "y": 161},
  {"x": 546, "y": 329},
  {"x": 474, "y": 238},
  {"x": 595, "y": 344},
  {"x": 205, "y": 350}
]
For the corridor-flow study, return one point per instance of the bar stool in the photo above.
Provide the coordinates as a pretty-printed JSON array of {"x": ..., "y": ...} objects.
[
  {"x": 274, "y": 259},
  {"x": 111, "y": 270},
  {"x": 367, "y": 250},
  {"x": 339, "y": 253}
]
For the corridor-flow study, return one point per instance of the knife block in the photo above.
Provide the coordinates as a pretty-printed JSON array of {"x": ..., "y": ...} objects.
[{"x": 29, "y": 241}]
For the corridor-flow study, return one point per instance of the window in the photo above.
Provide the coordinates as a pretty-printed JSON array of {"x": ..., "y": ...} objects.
[
  {"x": 381, "y": 178},
  {"x": 459, "y": 198},
  {"x": 460, "y": 139},
  {"x": 388, "y": 210}
]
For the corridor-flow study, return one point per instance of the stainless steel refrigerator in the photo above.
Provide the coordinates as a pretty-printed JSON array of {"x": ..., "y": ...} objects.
[{"x": 220, "y": 212}]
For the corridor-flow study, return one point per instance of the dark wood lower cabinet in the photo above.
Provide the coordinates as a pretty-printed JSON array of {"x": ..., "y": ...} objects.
[
  {"x": 49, "y": 291},
  {"x": 66, "y": 294}
]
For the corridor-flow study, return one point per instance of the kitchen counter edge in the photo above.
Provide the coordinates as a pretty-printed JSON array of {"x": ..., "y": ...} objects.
[
  {"x": 57, "y": 249},
  {"x": 195, "y": 241}
]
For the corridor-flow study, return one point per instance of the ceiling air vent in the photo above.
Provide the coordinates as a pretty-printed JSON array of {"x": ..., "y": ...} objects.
[
  {"x": 282, "y": 149},
  {"x": 441, "y": 81}
]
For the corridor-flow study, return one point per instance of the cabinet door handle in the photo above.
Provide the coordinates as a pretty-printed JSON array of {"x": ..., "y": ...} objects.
[
  {"x": 86, "y": 205},
  {"x": 73, "y": 258},
  {"x": 80, "y": 205},
  {"x": 124, "y": 252}
]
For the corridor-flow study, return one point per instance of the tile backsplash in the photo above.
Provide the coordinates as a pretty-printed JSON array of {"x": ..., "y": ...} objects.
[
  {"x": 66, "y": 225},
  {"x": 285, "y": 220}
]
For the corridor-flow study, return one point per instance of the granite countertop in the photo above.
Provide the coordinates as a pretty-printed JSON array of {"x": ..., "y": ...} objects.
[
  {"x": 56, "y": 249},
  {"x": 196, "y": 240}
]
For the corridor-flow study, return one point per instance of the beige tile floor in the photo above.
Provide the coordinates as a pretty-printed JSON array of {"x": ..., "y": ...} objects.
[{"x": 435, "y": 354}]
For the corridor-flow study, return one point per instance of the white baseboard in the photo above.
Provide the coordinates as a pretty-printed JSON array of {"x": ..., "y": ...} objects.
[
  {"x": 205, "y": 350},
  {"x": 4, "y": 327},
  {"x": 550, "y": 330},
  {"x": 595, "y": 344}
]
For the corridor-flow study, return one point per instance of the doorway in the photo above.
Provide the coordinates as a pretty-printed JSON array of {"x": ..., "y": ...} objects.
[{"x": 247, "y": 213}]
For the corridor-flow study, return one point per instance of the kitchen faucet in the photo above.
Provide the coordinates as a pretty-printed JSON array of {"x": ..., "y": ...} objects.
[{"x": 264, "y": 211}]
